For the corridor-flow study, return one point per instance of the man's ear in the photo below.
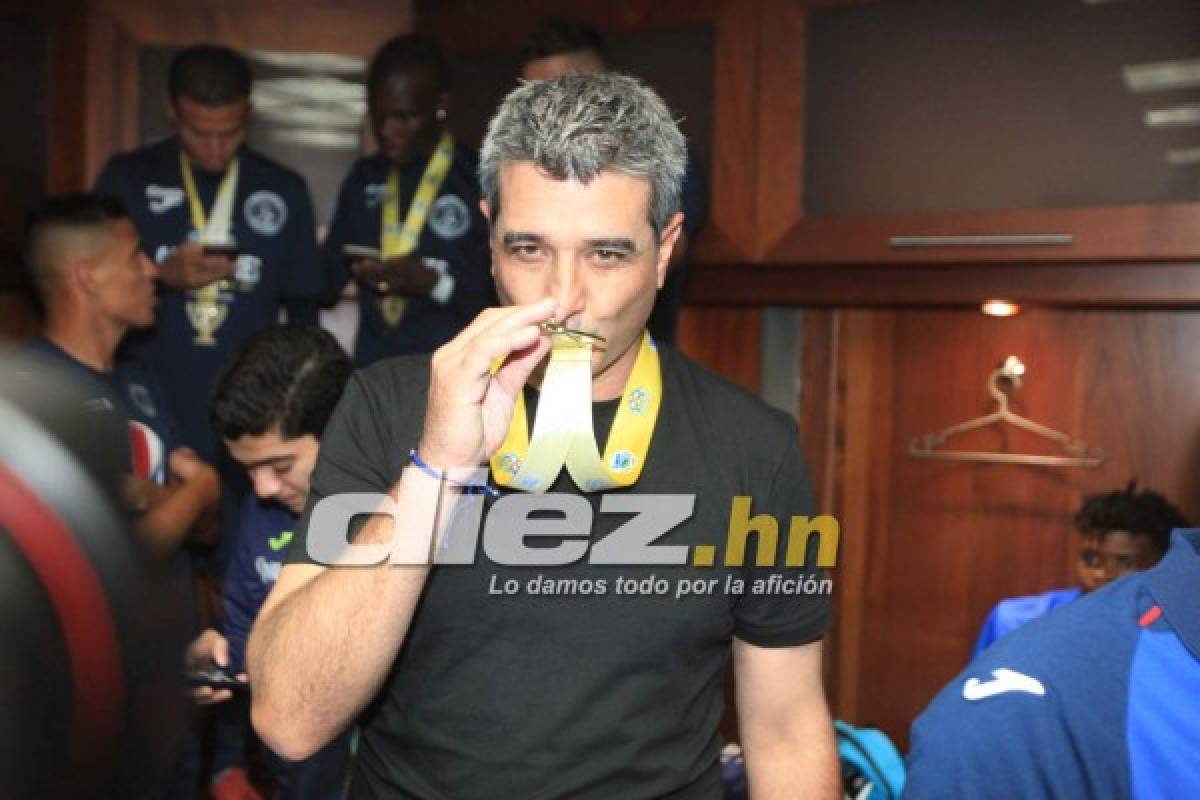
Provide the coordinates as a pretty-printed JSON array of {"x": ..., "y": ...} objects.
[
  {"x": 666, "y": 245},
  {"x": 81, "y": 274},
  {"x": 486, "y": 209}
]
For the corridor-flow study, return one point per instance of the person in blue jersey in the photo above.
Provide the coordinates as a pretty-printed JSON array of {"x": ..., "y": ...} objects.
[
  {"x": 560, "y": 45},
  {"x": 232, "y": 232},
  {"x": 1097, "y": 700},
  {"x": 95, "y": 285},
  {"x": 1119, "y": 532},
  {"x": 407, "y": 227},
  {"x": 270, "y": 405}
]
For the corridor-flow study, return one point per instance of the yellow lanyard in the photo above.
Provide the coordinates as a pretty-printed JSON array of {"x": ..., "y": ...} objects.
[
  {"x": 563, "y": 431},
  {"x": 215, "y": 228},
  {"x": 398, "y": 240}
]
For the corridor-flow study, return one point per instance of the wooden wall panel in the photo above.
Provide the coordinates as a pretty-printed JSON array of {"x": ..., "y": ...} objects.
[
  {"x": 930, "y": 546},
  {"x": 727, "y": 341}
]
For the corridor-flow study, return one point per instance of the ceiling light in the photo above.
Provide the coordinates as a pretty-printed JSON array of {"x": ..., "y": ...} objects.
[
  {"x": 1177, "y": 117},
  {"x": 310, "y": 62},
  {"x": 1160, "y": 75},
  {"x": 317, "y": 138},
  {"x": 1000, "y": 308}
]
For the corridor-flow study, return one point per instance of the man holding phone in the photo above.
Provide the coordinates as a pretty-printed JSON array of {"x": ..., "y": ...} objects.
[
  {"x": 232, "y": 232},
  {"x": 407, "y": 226},
  {"x": 270, "y": 405}
]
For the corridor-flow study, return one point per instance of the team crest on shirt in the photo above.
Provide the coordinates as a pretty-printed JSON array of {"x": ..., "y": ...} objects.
[
  {"x": 373, "y": 194},
  {"x": 149, "y": 456},
  {"x": 450, "y": 217},
  {"x": 161, "y": 199},
  {"x": 265, "y": 212},
  {"x": 139, "y": 395},
  {"x": 249, "y": 271}
]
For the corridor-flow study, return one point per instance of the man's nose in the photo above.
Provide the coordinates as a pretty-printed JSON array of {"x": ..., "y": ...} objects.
[
  {"x": 149, "y": 267},
  {"x": 566, "y": 286},
  {"x": 266, "y": 484}
]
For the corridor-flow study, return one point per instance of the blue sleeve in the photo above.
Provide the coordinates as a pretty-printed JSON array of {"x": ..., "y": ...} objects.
[
  {"x": 112, "y": 181},
  {"x": 243, "y": 593},
  {"x": 695, "y": 197},
  {"x": 987, "y": 634},
  {"x": 333, "y": 263},
  {"x": 302, "y": 282},
  {"x": 1040, "y": 714},
  {"x": 474, "y": 287}
]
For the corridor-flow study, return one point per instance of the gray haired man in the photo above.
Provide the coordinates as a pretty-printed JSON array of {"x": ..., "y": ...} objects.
[{"x": 571, "y": 642}]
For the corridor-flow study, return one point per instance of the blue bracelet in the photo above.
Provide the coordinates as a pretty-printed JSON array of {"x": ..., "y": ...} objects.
[{"x": 480, "y": 487}]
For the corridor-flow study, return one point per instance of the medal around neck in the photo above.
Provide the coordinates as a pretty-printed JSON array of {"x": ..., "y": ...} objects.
[
  {"x": 207, "y": 309},
  {"x": 400, "y": 240},
  {"x": 562, "y": 429}
]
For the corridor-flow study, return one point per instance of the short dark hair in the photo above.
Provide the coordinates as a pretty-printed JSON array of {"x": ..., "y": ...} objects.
[
  {"x": 557, "y": 35},
  {"x": 1145, "y": 513},
  {"x": 209, "y": 75},
  {"x": 59, "y": 214},
  {"x": 287, "y": 378},
  {"x": 404, "y": 54}
]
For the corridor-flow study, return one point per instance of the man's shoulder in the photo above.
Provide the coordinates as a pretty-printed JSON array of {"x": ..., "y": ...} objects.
[
  {"x": 464, "y": 179},
  {"x": 1055, "y": 645},
  {"x": 140, "y": 164},
  {"x": 1050, "y": 662},
  {"x": 718, "y": 396},
  {"x": 266, "y": 516},
  {"x": 366, "y": 170},
  {"x": 265, "y": 172},
  {"x": 1043, "y": 708},
  {"x": 466, "y": 160},
  {"x": 399, "y": 379},
  {"x": 1023, "y": 608}
]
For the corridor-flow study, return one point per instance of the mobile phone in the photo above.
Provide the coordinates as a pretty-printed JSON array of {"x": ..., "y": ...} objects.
[
  {"x": 215, "y": 678},
  {"x": 361, "y": 251},
  {"x": 224, "y": 250}
]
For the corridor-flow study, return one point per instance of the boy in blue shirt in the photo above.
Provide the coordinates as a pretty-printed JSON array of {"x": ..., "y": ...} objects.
[
  {"x": 270, "y": 405},
  {"x": 1121, "y": 531}
]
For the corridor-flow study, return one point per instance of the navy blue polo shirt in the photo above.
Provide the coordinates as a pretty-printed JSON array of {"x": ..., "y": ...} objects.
[
  {"x": 264, "y": 531},
  {"x": 275, "y": 230},
  {"x": 455, "y": 236},
  {"x": 1099, "y": 698}
]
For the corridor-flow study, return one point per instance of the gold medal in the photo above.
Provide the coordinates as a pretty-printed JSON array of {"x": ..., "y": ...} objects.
[{"x": 206, "y": 309}]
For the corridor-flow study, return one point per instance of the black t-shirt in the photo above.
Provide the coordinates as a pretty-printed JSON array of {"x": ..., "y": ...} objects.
[{"x": 585, "y": 694}]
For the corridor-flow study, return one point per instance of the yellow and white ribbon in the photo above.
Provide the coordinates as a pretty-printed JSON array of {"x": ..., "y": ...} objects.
[
  {"x": 211, "y": 228},
  {"x": 563, "y": 431},
  {"x": 205, "y": 310},
  {"x": 399, "y": 240}
]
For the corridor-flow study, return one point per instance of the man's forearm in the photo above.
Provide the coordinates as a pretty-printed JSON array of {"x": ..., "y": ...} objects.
[
  {"x": 318, "y": 657},
  {"x": 790, "y": 770},
  {"x": 165, "y": 525}
]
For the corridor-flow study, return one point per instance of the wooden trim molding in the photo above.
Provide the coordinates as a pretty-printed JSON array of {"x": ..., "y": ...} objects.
[{"x": 1175, "y": 285}]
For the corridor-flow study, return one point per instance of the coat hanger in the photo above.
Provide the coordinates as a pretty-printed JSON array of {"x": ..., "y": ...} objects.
[{"x": 1081, "y": 453}]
